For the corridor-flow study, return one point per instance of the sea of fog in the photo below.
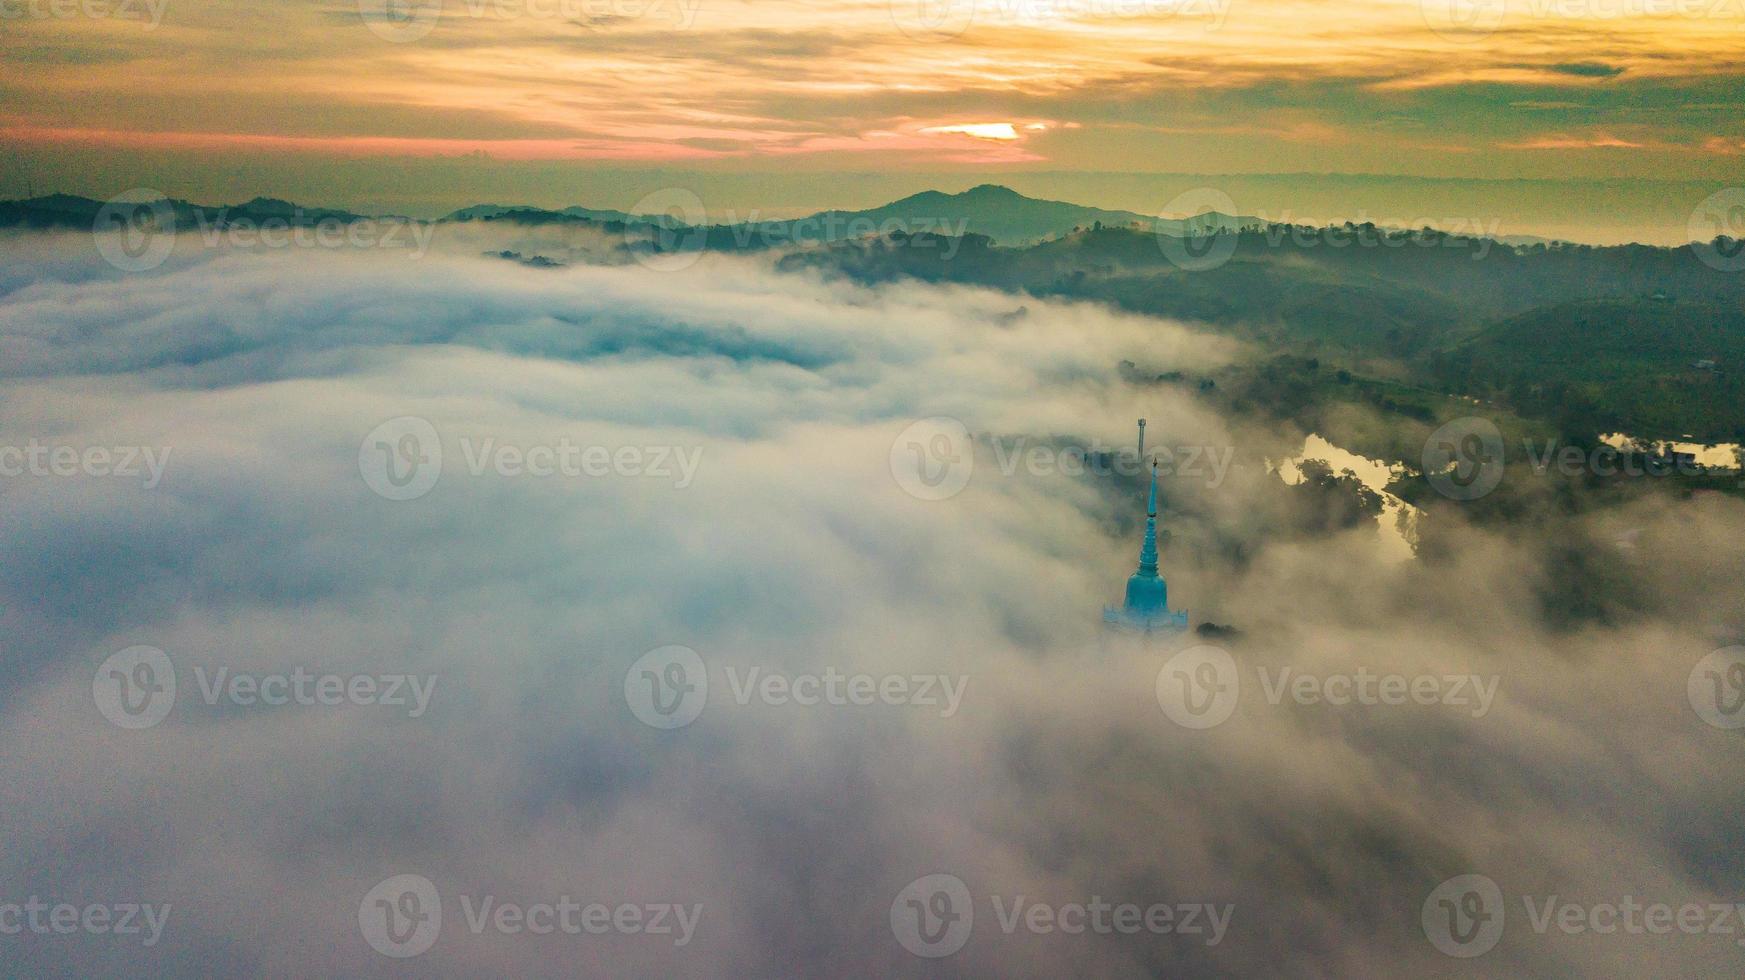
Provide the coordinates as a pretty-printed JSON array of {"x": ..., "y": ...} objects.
[{"x": 375, "y": 615}]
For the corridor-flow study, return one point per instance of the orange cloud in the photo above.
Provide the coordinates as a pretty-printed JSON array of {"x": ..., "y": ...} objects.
[{"x": 1561, "y": 141}]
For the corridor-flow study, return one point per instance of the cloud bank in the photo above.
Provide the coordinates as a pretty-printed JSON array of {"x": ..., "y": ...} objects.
[{"x": 526, "y": 601}]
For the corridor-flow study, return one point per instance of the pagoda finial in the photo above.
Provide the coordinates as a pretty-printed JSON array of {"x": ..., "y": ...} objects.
[
  {"x": 1151, "y": 505},
  {"x": 1148, "y": 552},
  {"x": 1147, "y": 606}
]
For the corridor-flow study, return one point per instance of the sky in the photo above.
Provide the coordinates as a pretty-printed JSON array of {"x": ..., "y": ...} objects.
[
  {"x": 274, "y": 539},
  {"x": 521, "y": 95}
]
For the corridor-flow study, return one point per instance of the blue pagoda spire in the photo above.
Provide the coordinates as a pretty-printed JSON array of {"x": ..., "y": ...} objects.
[
  {"x": 1148, "y": 551},
  {"x": 1146, "y": 607}
]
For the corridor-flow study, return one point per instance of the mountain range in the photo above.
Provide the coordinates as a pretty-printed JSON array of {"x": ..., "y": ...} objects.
[
  {"x": 1636, "y": 338},
  {"x": 999, "y": 213}
]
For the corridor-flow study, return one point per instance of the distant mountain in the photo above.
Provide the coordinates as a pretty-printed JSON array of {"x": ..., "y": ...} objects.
[
  {"x": 989, "y": 210},
  {"x": 492, "y": 212},
  {"x": 71, "y": 211},
  {"x": 999, "y": 213},
  {"x": 52, "y": 211},
  {"x": 262, "y": 208}
]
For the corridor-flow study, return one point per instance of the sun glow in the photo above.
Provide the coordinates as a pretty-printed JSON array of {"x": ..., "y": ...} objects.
[{"x": 981, "y": 131}]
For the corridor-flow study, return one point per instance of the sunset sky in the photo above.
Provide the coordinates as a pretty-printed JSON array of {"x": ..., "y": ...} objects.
[{"x": 1564, "y": 90}]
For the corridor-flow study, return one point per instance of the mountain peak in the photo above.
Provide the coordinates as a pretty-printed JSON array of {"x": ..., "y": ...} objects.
[
  {"x": 993, "y": 192},
  {"x": 268, "y": 204}
]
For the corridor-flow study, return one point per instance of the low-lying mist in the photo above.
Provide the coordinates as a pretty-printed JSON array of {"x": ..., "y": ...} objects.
[{"x": 747, "y": 464}]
